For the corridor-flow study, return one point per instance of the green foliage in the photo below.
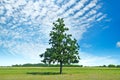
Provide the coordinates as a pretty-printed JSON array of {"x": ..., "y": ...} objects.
[
  {"x": 111, "y": 65},
  {"x": 64, "y": 49},
  {"x": 43, "y": 65},
  {"x": 118, "y": 66},
  {"x": 104, "y": 66},
  {"x": 30, "y": 65}
]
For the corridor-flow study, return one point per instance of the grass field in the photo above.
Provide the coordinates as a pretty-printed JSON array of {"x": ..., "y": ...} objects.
[{"x": 51, "y": 73}]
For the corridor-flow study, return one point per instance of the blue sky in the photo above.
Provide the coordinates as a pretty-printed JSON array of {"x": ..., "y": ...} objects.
[{"x": 25, "y": 27}]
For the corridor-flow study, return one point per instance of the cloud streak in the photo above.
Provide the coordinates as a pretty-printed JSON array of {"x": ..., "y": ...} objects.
[{"x": 25, "y": 24}]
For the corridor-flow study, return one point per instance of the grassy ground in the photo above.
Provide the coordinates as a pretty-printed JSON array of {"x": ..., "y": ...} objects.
[{"x": 51, "y": 73}]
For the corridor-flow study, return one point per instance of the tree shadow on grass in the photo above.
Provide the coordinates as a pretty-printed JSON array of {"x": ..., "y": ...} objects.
[{"x": 44, "y": 73}]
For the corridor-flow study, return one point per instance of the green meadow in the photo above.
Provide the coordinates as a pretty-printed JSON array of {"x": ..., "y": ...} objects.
[{"x": 52, "y": 73}]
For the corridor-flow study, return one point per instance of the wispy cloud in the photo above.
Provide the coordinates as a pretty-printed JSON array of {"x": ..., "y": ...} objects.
[
  {"x": 25, "y": 24},
  {"x": 85, "y": 45},
  {"x": 118, "y": 44}
]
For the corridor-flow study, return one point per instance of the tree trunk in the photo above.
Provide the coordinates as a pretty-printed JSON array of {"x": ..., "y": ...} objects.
[{"x": 61, "y": 67}]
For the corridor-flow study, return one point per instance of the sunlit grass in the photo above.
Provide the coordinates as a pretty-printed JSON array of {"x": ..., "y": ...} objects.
[{"x": 52, "y": 73}]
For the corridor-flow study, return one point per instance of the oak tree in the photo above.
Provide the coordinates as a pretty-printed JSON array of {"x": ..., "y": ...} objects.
[{"x": 64, "y": 49}]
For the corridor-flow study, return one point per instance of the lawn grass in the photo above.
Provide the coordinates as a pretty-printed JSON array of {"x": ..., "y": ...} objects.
[{"x": 52, "y": 73}]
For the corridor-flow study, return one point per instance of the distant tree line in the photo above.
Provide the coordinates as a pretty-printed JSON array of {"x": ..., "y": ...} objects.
[
  {"x": 43, "y": 65},
  {"x": 111, "y": 65},
  {"x": 57, "y": 65}
]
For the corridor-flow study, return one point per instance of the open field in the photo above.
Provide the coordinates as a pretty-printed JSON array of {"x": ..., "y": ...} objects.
[{"x": 51, "y": 73}]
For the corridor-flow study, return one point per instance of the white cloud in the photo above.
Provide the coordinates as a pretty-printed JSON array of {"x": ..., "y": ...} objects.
[
  {"x": 101, "y": 17},
  {"x": 1, "y": 10},
  {"x": 88, "y": 59},
  {"x": 59, "y": 1},
  {"x": 78, "y": 6},
  {"x": 86, "y": 8},
  {"x": 118, "y": 44},
  {"x": 2, "y": 20},
  {"x": 25, "y": 24},
  {"x": 30, "y": 50},
  {"x": 64, "y": 7}
]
